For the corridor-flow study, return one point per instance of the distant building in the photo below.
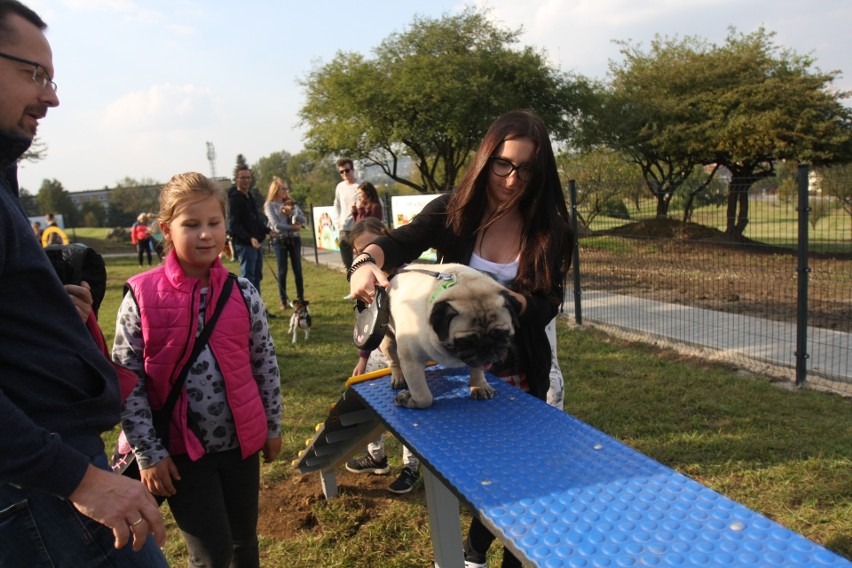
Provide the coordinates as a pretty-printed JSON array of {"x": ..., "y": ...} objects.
[{"x": 99, "y": 195}]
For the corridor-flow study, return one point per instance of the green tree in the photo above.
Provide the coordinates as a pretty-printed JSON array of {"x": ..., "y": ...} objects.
[
  {"x": 430, "y": 93},
  {"x": 646, "y": 113},
  {"x": 240, "y": 163},
  {"x": 29, "y": 202},
  {"x": 52, "y": 198},
  {"x": 766, "y": 104},
  {"x": 743, "y": 105},
  {"x": 35, "y": 153},
  {"x": 602, "y": 176},
  {"x": 836, "y": 183},
  {"x": 275, "y": 164},
  {"x": 312, "y": 177},
  {"x": 93, "y": 214},
  {"x": 133, "y": 197}
]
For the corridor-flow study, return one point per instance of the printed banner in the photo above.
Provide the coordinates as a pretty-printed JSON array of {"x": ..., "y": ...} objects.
[
  {"x": 325, "y": 233},
  {"x": 405, "y": 207}
]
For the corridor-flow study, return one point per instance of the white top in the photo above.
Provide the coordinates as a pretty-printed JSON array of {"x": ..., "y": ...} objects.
[
  {"x": 503, "y": 273},
  {"x": 345, "y": 195}
]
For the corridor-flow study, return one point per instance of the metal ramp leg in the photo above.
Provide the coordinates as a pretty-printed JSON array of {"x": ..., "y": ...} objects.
[{"x": 444, "y": 522}]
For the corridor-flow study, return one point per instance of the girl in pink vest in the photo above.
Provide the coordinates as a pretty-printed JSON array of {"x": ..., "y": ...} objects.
[{"x": 229, "y": 408}]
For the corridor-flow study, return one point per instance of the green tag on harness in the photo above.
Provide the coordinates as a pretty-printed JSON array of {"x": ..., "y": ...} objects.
[{"x": 449, "y": 280}]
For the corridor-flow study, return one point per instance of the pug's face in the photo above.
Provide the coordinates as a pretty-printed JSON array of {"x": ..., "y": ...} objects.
[{"x": 475, "y": 326}]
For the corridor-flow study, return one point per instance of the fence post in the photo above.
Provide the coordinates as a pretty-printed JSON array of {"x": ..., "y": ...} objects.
[
  {"x": 316, "y": 244},
  {"x": 803, "y": 271},
  {"x": 575, "y": 259}
]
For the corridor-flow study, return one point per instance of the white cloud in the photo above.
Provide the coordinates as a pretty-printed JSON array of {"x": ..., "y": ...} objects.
[{"x": 164, "y": 107}]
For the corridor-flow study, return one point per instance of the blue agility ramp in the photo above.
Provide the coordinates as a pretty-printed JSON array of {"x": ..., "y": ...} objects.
[{"x": 554, "y": 490}]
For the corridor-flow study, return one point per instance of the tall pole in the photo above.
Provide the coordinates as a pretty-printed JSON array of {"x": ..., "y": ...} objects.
[{"x": 211, "y": 157}]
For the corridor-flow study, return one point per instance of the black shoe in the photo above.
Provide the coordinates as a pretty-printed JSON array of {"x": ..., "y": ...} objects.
[
  {"x": 367, "y": 464},
  {"x": 405, "y": 482},
  {"x": 270, "y": 315},
  {"x": 472, "y": 558}
]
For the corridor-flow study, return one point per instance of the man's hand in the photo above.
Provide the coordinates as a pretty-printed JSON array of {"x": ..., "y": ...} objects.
[
  {"x": 81, "y": 297},
  {"x": 120, "y": 503},
  {"x": 255, "y": 243}
]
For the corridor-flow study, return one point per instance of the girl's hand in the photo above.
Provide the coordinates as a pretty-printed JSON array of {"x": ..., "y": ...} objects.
[
  {"x": 362, "y": 285},
  {"x": 158, "y": 478},
  {"x": 360, "y": 367},
  {"x": 271, "y": 449}
]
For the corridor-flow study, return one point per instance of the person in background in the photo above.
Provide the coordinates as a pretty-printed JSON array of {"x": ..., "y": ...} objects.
[
  {"x": 37, "y": 231},
  {"x": 246, "y": 228},
  {"x": 61, "y": 505},
  {"x": 507, "y": 217},
  {"x": 345, "y": 195},
  {"x": 54, "y": 238},
  {"x": 230, "y": 407},
  {"x": 367, "y": 204},
  {"x": 140, "y": 236},
  {"x": 375, "y": 461},
  {"x": 286, "y": 219}
]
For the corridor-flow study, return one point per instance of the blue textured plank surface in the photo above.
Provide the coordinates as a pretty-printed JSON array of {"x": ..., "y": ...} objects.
[{"x": 561, "y": 493}]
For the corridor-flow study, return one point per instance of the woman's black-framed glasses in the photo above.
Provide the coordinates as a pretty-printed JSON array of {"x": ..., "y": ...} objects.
[
  {"x": 504, "y": 168},
  {"x": 40, "y": 74}
]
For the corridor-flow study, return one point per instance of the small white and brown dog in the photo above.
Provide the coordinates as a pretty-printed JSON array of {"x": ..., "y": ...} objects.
[{"x": 301, "y": 319}]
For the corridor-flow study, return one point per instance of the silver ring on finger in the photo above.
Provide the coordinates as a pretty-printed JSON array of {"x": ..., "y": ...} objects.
[{"x": 137, "y": 522}]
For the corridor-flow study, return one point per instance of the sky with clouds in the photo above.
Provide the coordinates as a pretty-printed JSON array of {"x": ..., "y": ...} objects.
[{"x": 145, "y": 84}]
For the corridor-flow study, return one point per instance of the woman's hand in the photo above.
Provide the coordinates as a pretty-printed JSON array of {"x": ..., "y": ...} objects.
[
  {"x": 362, "y": 285},
  {"x": 158, "y": 478}
]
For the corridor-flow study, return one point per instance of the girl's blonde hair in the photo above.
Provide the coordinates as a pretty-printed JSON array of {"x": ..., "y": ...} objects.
[
  {"x": 183, "y": 190},
  {"x": 272, "y": 194}
]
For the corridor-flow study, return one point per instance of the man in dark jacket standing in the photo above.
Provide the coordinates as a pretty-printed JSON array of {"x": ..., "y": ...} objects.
[
  {"x": 59, "y": 502},
  {"x": 247, "y": 228}
]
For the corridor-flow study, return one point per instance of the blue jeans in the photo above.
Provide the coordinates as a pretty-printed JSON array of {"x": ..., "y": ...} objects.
[
  {"x": 38, "y": 529},
  {"x": 251, "y": 263},
  {"x": 292, "y": 247}
]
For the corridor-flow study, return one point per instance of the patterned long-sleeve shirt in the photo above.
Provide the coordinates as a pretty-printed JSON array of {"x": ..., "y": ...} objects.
[{"x": 210, "y": 416}]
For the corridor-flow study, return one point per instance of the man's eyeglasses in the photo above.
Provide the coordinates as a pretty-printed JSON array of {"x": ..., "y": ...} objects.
[
  {"x": 40, "y": 75},
  {"x": 345, "y": 171},
  {"x": 504, "y": 168}
]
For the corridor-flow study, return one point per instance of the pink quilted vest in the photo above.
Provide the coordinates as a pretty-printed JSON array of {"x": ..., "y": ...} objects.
[{"x": 169, "y": 304}]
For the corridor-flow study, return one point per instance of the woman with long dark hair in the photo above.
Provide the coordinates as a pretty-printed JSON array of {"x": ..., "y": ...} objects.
[{"x": 507, "y": 217}]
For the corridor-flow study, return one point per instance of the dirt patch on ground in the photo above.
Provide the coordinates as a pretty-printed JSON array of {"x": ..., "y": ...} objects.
[
  {"x": 694, "y": 265},
  {"x": 287, "y": 506}
]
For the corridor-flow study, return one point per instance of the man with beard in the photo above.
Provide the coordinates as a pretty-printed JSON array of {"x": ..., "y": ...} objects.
[{"x": 59, "y": 502}]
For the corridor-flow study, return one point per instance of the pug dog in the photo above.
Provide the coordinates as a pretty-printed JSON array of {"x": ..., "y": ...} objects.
[{"x": 449, "y": 313}]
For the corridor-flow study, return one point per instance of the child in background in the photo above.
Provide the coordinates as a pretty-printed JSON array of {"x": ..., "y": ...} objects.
[
  {"x": 140, "y": 237},
  {"x": 374, "y": 461},
  {"x": 230, "y": 407}
]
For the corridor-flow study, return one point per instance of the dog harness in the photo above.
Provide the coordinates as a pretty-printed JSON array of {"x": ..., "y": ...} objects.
[{"x": 448, "y": 280}]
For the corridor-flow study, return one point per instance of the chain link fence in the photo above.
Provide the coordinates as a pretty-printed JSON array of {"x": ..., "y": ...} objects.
[{"x": 765, "y": 285}]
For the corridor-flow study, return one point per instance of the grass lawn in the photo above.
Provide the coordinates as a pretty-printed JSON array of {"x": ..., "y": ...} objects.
[{"x": 786, "y": 454}]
